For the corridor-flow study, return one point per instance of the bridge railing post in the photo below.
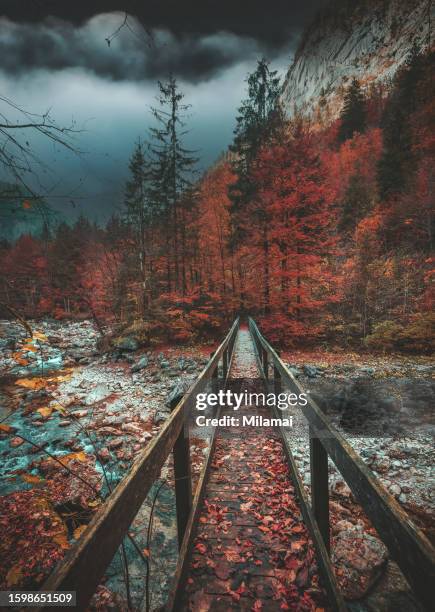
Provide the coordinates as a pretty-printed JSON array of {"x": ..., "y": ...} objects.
[
  {"x": 183, "y": 479},
  {"x": 277, "y": 378},
  {"x": 225, "y": 364},
  {"x": 319, "y": 486},
  {"x": 214, "y": 375},
  {"x": 265, "y": 361}
]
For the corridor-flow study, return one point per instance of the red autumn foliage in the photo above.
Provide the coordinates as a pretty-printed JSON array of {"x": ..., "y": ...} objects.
[{"x": 327, "y": 246}]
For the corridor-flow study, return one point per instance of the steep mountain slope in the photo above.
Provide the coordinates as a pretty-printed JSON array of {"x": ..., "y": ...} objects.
[{"x": 368, "y": 39}]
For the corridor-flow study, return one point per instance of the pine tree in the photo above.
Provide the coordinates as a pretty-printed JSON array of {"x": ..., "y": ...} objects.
[
  {"x": 259, "y": 118},
  {"x": 396, "y": 165},
  {"x": 259, "y": 121},
  {"x": 173, "y": 170},
  {"x": 139, "y": 216},
  {"x": 356, "y": 203},
  {"x": 65, "y": 262},
  {"x": 353, "y": 114}
]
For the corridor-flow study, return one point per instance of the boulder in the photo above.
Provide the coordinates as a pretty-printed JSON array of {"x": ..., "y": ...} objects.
[{"x": 359, "y": 559}]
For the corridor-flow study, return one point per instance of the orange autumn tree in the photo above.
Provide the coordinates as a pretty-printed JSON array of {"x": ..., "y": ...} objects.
[
  {"x": 302, "y": 236},
  {"x": 216, "y": 266}
]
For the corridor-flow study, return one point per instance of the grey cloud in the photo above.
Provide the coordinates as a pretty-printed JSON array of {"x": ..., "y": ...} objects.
[{"x": 132, "y": 55}]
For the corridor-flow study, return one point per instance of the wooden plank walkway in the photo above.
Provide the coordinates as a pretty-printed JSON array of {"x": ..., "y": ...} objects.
[{"x": 252, "y": 550}]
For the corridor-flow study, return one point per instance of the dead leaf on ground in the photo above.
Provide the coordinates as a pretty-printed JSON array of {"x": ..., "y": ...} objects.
[
  {"x": 14, "y": 576},
  {"x": 78, "y": 531}
]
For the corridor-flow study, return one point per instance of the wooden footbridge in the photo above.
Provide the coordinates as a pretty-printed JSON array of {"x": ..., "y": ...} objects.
[{"x": 231, "y": 554}]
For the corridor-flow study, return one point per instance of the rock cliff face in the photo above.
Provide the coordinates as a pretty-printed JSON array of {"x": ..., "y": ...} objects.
[{"x": 366, "y": 39}]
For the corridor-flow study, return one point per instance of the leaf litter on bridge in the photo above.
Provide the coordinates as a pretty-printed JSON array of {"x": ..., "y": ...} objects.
[{"x": 252, "y": 550}]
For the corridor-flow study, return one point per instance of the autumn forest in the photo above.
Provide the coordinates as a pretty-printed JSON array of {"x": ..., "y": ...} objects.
[{"x": 321, "y": 227}]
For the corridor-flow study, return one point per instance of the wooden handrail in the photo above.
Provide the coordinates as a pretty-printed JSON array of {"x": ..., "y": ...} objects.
[
  {"x": 83, "y": 567},
  {"x": 407, "y": 544}
]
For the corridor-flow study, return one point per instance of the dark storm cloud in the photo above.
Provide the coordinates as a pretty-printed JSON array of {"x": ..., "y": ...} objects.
[
  {"x": 132, "y": 54},
  {"x": 195, "y": 40},
  {"x": 269, "y": 21}
]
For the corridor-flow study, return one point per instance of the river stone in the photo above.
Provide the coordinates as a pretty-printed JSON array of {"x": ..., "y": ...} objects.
[
  {"x": 115, "y": 443},
  {"x": 79, "y": 414},
  {"x": 98, "y": 393},
  {"x": 395, "y": 490},
  {"x": 140, "y": 365},
  {"x": 295, "y": 371},
  {"x": 104, "y": 454},
  {"x": 128, "y": 343},
  {"x": 16, "y": 442},
  {"x": 176, "y": 393},
  {"x": 342, "y": 525},
  {"x": 109, "y": 431},
  {"x": 160, "y": 416},
  {"x": 132, "y": 428},
  {"x": 359, "y": 559},
  {"x": 65, "y": 488},
  {"x": 310, "y": 371}
]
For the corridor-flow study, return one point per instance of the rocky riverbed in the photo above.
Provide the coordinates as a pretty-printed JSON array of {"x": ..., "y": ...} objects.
[
  {"x": 72, "y": 421},
  {"x": 384, "y": 408}
]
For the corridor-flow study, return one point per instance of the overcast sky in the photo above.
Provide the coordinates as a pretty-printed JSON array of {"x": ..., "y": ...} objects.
[{"x": 65, "y": 64}]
